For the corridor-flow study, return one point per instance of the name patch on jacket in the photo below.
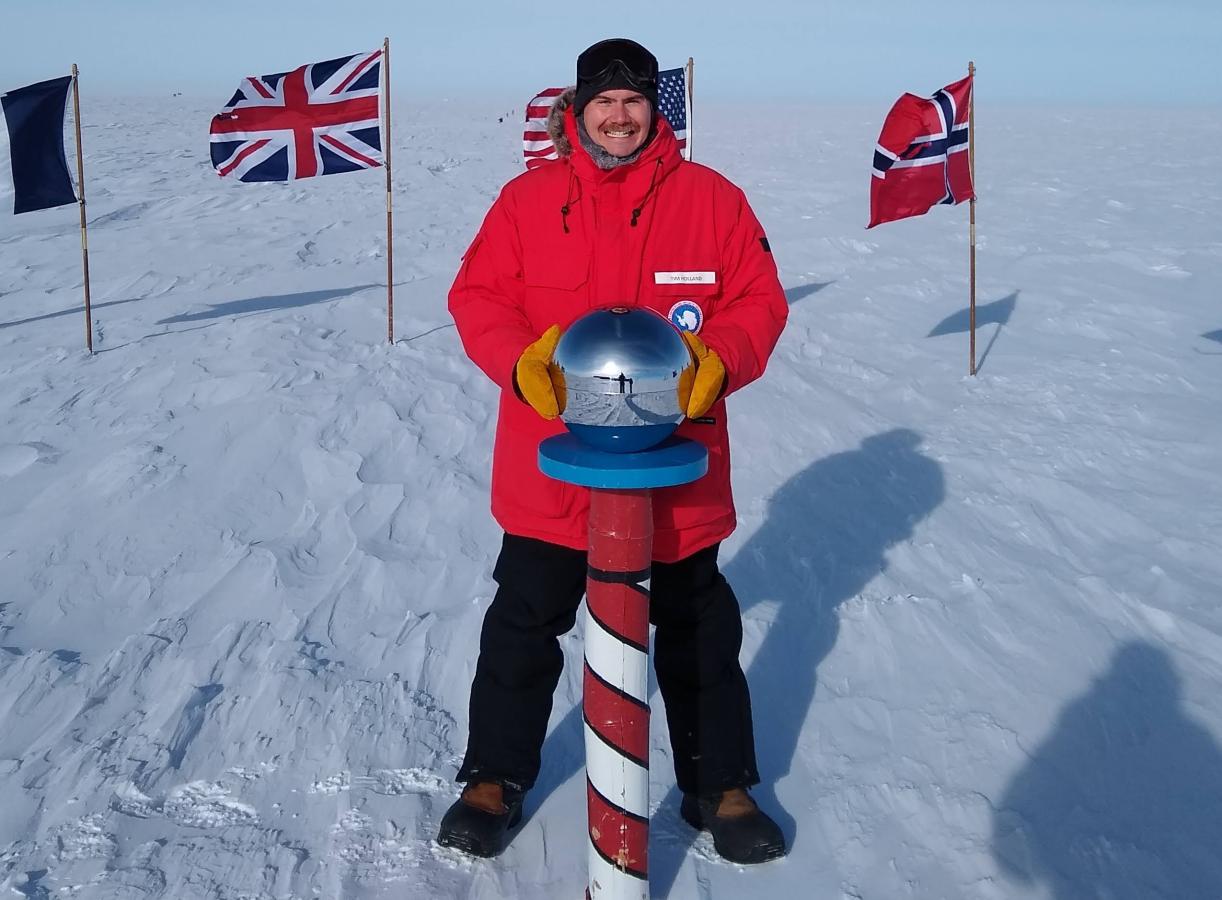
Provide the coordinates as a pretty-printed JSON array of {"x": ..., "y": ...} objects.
[{"x": 684, "y": 277}]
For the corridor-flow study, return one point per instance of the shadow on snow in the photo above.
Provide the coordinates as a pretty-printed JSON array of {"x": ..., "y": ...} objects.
[
  {"x": 802, "y": 291},
  {"x": 76, "y": 310},
  {"x": 265, "y": 304},
  {"x": 996, "y": 313},
  {"x": 1121, "y": 799}
]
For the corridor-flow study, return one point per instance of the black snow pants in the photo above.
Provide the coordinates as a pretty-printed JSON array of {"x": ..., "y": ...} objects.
[{"x": 698, "y": 634}]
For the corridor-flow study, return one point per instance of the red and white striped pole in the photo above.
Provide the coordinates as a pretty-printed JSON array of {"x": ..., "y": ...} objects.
[
  {"x": 616, "y": 700},
  {"x": 616, "y": 678}
]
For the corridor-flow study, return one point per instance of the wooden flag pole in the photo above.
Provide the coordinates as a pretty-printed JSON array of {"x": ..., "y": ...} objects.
[
  {"x": 80, "y": 194},
  {"x": 390, "y": 245},
  {"x": 971, "y": 164},
  {"x": 691, "y": 96}
]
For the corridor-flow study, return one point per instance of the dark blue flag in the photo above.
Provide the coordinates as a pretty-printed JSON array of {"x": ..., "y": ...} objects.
[{"x": 35, "y": 118}]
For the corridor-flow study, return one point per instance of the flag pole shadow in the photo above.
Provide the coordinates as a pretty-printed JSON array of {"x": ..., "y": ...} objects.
[
  {"x": 996, "y": 313},
  {"x": 802, "y": 291},
  {"x": 267, "y": 303}
]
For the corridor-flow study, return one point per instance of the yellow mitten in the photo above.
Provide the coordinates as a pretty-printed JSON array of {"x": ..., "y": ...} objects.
[
  {"x": 700, "y": 390},
  {"x": 538, "y": 379}
]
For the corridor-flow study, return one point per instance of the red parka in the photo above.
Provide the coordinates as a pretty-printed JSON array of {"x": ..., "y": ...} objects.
[{"x": 568, "y": 237}]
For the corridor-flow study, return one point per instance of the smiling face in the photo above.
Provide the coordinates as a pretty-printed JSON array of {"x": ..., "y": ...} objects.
[{"x": 618, "y": 121}]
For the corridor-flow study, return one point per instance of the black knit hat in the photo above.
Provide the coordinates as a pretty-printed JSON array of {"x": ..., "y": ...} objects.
[{"x": 613, "y": 64}]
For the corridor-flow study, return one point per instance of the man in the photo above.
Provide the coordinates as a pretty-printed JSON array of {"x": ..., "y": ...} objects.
[{"x": 619, "y": 220}]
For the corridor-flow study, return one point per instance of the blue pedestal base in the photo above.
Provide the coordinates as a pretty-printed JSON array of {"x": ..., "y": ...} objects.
[{"x": 674, "y": 461}]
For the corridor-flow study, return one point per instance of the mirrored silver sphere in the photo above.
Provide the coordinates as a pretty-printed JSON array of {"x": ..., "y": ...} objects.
[{"x": 621, "y": 371}]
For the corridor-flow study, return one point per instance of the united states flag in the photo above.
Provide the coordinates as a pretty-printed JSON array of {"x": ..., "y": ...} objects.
[
  {"x": 672, "y": 104},
  {"x": 319, "y": 119},
  {"x": 537, "y": 147}
]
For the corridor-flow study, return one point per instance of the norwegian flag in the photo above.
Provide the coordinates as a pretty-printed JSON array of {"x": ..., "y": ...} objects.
[
  {"x": 319, "y": 119},
  {"x": 922, "y": 155},
  {"x": 537, "y": 147}
]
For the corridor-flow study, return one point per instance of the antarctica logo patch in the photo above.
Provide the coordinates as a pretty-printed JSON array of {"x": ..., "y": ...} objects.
[{"x": 686, "y": 315}]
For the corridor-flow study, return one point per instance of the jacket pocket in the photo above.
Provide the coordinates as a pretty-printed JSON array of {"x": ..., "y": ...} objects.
[
  {"x": 556, "y": 289},
  {"x": 555, "y": 267}
]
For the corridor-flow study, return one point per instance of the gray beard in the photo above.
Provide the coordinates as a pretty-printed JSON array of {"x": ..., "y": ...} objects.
[{"x": 601, "y": 157}]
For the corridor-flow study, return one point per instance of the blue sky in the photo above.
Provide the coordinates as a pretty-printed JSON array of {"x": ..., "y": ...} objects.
[{"x": 1127, "y": 52}]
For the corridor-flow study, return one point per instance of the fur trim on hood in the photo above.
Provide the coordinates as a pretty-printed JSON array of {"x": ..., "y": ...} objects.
[{"x": 555, "y": 122}]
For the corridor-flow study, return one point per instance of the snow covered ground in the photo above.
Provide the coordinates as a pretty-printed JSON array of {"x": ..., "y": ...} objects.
[{"x": 245, "y": 547}]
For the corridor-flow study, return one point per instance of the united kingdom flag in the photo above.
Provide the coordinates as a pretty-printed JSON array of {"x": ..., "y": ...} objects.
[
  {"x": 922, "y": 155},
  {"x": 319, "y": 119}
]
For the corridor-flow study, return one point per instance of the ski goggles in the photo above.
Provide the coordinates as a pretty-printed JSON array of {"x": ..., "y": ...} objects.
[{"x": 618, "y": 58}]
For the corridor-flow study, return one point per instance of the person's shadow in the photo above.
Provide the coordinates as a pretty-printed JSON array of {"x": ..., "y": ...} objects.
[
  {"x": 1123, "y": 800},
  {"x": 825, "y": 537}
]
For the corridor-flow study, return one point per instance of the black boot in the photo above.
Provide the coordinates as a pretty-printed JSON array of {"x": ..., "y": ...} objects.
[
  {"x": 480, "y": 820},
  {"x": 742, "y": 833}
]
